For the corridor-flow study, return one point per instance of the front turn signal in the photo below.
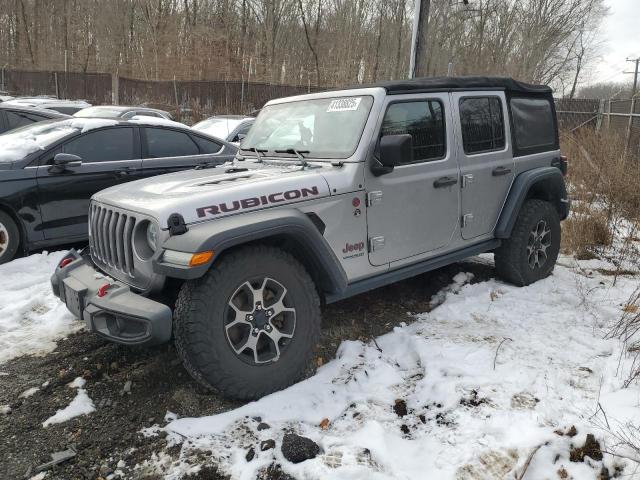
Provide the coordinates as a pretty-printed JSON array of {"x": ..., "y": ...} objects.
[
  {"x": 201, "y": 258},
  {"x": 187, "y": 259}
]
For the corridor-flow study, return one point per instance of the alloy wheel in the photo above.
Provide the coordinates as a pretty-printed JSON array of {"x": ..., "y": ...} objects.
[
  {"x": 537, "y": 245},
  {"x": 260, "y": 320}
]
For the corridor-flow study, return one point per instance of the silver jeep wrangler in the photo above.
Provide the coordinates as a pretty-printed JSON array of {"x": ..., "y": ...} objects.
[{"x": 331, "y": 195}]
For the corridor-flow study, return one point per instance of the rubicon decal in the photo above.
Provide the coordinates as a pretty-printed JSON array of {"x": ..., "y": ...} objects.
[{"x": 252, "y": 202}]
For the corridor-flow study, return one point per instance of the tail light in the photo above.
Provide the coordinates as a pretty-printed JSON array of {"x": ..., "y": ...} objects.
[{"x": 65, "y": 262}]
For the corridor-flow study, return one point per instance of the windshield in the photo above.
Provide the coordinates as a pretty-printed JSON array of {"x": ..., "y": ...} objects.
[
  {"x": 98, "y": 112},
  {"x": 218, "y": 127},
  {"x": 21, "y": 142},
  {"x": 323, "y": 128}
]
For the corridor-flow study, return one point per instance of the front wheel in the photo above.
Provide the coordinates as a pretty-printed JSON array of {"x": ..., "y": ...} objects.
[
  {"x": 9, "y": 238},
  {"x": 250, "y": 325},
  {"x": 531, "y": 252}
]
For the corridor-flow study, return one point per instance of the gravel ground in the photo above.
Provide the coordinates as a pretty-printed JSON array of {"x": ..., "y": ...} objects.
[{"x": 158, "y": 384}]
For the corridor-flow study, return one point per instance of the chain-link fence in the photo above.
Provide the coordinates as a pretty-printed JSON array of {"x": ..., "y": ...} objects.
[{"x": 187, "y": 100}]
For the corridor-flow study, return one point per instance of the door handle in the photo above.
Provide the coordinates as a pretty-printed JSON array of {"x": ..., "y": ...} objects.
[
  {"x": 445, "y": 182},
  {"x": 499, "y": 171}
]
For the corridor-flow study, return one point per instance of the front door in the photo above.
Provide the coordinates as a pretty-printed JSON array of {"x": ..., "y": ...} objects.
[
  {"x": 486, "y": 160},
  {"x": 415, "y": 208},
  {"x": 109, "y": 157}
]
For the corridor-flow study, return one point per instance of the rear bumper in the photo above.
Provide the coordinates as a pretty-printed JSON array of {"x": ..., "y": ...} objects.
[{"x": 115, "y": 312}]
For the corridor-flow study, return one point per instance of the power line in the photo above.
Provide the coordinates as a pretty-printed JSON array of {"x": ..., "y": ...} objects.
[{"x": 635, "y": 74}]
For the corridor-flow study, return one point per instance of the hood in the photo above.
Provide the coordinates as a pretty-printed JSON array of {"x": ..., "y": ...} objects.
[{"x": 206, "y": 194}]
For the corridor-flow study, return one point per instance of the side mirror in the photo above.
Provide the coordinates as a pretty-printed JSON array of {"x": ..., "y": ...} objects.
[
  {"x": 62, "y": 161},
  {"x": 240, "y": 137},
  {"x": 394, "y": 150}
]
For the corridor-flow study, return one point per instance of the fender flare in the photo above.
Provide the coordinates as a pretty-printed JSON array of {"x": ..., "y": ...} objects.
[
  {"x": 546, "y": 183},
  {"x": 282, "y": 224}
]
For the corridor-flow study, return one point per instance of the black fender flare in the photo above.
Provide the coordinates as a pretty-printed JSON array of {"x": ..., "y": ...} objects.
[
  {"x": 286, "y": 225},
  {"x": 545, "y": 183}
]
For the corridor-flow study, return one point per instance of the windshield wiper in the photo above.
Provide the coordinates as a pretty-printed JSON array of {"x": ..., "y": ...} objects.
[
  {"x": 297, "y": 153},
  {"x": 258, "y": 151}
]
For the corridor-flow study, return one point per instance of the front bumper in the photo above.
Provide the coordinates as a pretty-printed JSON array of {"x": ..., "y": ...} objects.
[{"x": 114, "y": 312}]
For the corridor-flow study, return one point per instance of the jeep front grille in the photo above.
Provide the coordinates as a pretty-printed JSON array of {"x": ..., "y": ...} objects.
[{"x": 111, "y": 238}]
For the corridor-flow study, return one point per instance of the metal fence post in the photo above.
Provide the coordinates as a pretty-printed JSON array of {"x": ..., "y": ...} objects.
[
  {"x": 55, "y": 78},
  {"x": 115, "y": 89},
  {"x": 3, "y": 85},
  {"x": 609, "y": 115},
  {"x": 627, "y": 140},
  {"x": 600, "y": 115}
]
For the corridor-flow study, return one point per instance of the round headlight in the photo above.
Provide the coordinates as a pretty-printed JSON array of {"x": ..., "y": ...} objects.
[{"x": 152, "y": 235}]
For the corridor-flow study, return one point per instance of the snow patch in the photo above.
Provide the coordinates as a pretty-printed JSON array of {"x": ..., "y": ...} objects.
[
  {"x": 156, "y": 121},
  {"x": 32, "y": 318},
  {"x": 487, "y": 377},
  {"x": 80, "y": 405}
]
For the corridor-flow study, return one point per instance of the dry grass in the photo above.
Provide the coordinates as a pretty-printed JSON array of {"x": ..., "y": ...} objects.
[{"x": 604, "y": 188}]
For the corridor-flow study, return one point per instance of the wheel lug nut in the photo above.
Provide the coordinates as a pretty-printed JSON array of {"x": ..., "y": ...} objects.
[
  {"x": 258, "y": 307},
  {"x": 269, "y": 313},
  {"x": 250, "y": 317},
  {"x": 268, "y": 328},
  {"x": 256, "y": 331}
]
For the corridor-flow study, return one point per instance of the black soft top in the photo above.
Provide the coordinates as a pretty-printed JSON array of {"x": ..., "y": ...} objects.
[{"x": 438, "y": 84}]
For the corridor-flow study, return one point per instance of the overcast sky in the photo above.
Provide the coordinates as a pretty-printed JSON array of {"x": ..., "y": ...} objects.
[{"x": 621, "y": 33}]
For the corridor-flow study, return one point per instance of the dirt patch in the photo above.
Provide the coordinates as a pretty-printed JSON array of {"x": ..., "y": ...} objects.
[{"x": 134, "y": 388}]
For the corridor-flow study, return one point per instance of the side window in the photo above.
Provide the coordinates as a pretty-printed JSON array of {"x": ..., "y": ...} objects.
[
  {"x": 207, "y": 146},
  {"x": 103, "y": 145},
  {"x": 148, "y": 114},
  {"x": 482, "y": 124},
  {"x": 424, "y": 121},
  {"x": 162, "y": 142},
  {"x": 18, "y": 119},
  {"x": 533, "y": 124}
]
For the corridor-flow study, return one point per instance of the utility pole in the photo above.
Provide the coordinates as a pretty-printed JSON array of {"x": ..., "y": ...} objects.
[
  {"x": 418, "y": 59},
  {"x": 635, "y": 75}
]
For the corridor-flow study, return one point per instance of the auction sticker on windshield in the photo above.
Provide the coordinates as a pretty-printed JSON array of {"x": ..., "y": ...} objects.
[{"x": 344, "y": 104}]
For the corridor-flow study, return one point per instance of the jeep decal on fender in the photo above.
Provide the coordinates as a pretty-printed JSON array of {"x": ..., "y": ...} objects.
[
  {"x": 252, "y": 202},
  {"x": 353, "y": 250}
]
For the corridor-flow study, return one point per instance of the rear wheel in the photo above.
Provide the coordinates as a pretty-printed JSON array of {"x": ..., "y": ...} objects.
[
  {"x": 9, "y": 238},
  {"x": 531, "y": 252},
  {"x": 250, "y": 325}
]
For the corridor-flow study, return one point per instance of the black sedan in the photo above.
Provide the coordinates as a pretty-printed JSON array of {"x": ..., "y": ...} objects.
[
  {"x": 14, "y": 116},
  {"x": 49, "y": 170}
]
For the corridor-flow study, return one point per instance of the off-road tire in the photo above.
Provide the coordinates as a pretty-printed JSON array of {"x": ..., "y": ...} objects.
[
  {"x": 199, "y": 324},
  {"x": 512, "y": 258},
  {"x": 9, "y": 238}
]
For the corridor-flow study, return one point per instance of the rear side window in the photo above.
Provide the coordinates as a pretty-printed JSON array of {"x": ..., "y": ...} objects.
[
  {"x": 207, "y": 146},
  {"x": 162, "y": 142},
  {"x": 103, "y": 145},
  {"x": 533, "y": 124},
  {"x": 18, "y": 119},
  {"x": 482, "y": 124},
  {"x": 424, "y": 121}
]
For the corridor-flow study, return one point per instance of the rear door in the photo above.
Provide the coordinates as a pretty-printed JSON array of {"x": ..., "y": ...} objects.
[
  {"x": 166, "y": 150},
  {"x": 109, "y": 157},
  {"x": 486, "y": 159}
]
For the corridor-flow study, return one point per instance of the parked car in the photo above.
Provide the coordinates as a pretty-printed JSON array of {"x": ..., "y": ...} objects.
[
  {"x": 232, "y": 128},
  {"x": 119, "y": 111},
  {"x": 382, "y": 183},
  {"x": 14, "y": 116},
  {"x": 50, "y": 169},
  {"x": 69, "y": 107},
  {"x": 5, "y": 97}
]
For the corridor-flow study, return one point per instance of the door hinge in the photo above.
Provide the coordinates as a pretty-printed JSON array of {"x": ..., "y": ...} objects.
[
  {"x": 376, "y": 243},
  {"x": 467, "y": 180},
  {"x": 466, "y": 219},
  {"x": 374, "y": 198}
]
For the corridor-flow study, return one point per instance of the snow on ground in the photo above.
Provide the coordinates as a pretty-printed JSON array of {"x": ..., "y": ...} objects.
[
  {"x": 80, "y": 405},
  {"x": 31, "y": 317},
  {"x": 487, "y": 377}
]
